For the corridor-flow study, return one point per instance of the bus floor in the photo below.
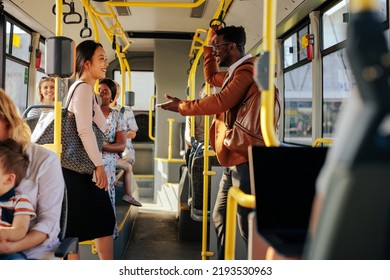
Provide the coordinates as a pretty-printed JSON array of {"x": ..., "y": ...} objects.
[{"x": 155, "y": 237}]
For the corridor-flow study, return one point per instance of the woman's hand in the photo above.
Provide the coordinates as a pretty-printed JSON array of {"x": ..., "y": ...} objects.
[{"x": 101, "y": 177}]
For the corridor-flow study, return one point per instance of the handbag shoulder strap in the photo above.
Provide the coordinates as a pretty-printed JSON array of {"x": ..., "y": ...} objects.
[{"x": 71, "y": 94}]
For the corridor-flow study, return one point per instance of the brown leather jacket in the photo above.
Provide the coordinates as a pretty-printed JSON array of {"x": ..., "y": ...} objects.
[{"x": 219, "y": 104}]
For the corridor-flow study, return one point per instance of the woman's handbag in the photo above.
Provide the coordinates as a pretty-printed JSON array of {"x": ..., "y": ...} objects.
[{"x": 73, "y": 156}]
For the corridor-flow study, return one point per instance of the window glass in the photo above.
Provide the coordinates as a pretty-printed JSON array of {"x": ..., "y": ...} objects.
[
  {"x": 290, "y": 50},
  {"x": 302, "y": 51},
  {"x": 142, "y": 84},
  {"x": 21, "y": 42},
  {"x": 16, "y": 82},
  {"x": 334, "y": 29},
  {"x": 298, "y": 105},
  {"x": 8, "y": 35},
  {"x": 383, "y": 9},
  {"x": 43, "y": 55},
  {"x": 338, "y": 84}
]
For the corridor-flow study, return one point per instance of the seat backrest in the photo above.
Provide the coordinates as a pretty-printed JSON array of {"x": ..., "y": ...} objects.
[
  {"x": 283, "y": 181},
  {"x": 32, "y": 122}
]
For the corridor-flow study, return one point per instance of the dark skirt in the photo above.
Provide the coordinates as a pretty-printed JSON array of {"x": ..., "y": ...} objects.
[{"x": 90, "y": 213}]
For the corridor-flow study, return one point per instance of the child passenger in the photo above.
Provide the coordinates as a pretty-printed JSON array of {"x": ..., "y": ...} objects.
[{"x": 16, "y": 210}]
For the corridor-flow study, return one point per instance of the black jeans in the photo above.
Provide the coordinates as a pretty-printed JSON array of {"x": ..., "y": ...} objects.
[{"x": 232, "y": 176}]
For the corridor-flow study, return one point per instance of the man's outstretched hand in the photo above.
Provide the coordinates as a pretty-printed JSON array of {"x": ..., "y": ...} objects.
[{"x": 171, "y": 105}]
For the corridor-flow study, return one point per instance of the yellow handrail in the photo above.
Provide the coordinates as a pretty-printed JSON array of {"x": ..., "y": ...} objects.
[
  {"x": 268, "y": 94},
  {"x": 170, "y": 159},
  {"x": 150, "y": 130},
  {"x": 318, "y": 141},
  {"x": 156, "y": 4},
  {"x": 197, "y": 39},
  {"x": 115, "y": 29},
  {"x": 235, "y": 196}
]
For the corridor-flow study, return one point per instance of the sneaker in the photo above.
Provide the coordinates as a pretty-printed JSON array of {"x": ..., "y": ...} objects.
[{"x": 131, "y": 200}]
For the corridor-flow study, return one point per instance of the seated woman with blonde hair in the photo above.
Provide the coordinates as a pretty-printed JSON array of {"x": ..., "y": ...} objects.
[{"x": 43, "y": 185}]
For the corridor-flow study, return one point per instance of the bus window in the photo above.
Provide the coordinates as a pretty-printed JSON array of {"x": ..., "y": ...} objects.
[
  {"x": 142, "y": 83},
  {"x": 337, "y": 87},
  {"x": 298, "y": 105},
  {"x": 17, "y": 64},
  {"x": 334, "y": 28}
]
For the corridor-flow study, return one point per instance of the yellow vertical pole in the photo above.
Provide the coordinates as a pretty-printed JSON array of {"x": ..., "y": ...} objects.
[
  {"x": 128, "y": 73},
  {"x": 123, "y": 77},
  {"x": 150, "y": 120},
  {"x": 268, "y": 94},
  {"x": 57, "y": 103},
  {"x": 170, "y": 120}
]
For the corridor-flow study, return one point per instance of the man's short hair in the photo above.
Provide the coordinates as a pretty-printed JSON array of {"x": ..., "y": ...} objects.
[{"x": 234, "y": 34}]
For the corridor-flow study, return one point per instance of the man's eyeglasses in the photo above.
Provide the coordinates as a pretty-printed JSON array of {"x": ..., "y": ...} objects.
[{"x": 216, "y": 47}]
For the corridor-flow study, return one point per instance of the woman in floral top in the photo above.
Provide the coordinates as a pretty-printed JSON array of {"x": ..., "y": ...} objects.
[{"x": 115, "y": 136}]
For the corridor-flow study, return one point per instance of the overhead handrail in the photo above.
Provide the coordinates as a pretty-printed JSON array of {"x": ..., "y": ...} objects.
[
  {"x": 156, "y": 4},
  {"x": 93, "y": 20},
  {"x": 196, "y": 39},
  {"x": 235, "y": 196},
  {"x": 86, "y": 29},
  {"x": 115, "y": 29},
  {"x": 64, "y": 4},
  {"x": 77, "y": 16}
]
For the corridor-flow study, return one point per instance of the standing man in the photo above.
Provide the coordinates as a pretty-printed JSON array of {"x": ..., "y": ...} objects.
[{"x": 226, "y": 49}]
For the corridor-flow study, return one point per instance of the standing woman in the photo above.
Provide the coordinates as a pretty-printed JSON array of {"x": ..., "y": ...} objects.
[
  {"x": 43, "y": 184},
  {"x": 91, "y": 215},
  {"x": 115, "y": 136}
]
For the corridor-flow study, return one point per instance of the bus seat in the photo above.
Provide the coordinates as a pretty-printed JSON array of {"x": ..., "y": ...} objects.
[
  {"x": 69, "y": 245},
  {"x": 283, "y": 182},
  {"x": 32, "y": 122}
]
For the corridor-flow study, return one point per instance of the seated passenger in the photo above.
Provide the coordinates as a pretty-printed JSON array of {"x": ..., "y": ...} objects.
[
  {"x": 114, "y": 139},
  {"x": 15, "y": 209},
  {"x": 128, "y": 156},
  {"x": 43, "y": 185},
  {"x": 46, "y": 96}
]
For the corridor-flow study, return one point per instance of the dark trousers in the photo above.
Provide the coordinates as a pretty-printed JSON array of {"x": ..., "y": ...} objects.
[{"x": 232, "y": 176}]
